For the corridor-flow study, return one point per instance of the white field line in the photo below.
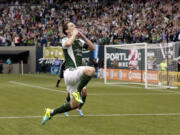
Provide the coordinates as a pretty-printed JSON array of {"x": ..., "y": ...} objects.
[
  {"x": 42, "y": 76},
  {"x": 163, "y": 90},
  {"x": 96, "y": 115},
  {"x": 128, "y": 94},
  {"x": 35, "y": 86},
  {"x": 95, "y": 94}
]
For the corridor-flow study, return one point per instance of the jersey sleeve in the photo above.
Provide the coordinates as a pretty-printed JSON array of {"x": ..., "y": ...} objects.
[
  {"x": 84, "y": 45},
  {"x": 82, "y": 42},
  {"x": 63, "y": 42}
]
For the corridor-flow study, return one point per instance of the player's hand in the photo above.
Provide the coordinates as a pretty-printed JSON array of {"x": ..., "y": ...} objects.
[
  {"x": 81, "y": 34},
  {"x": 75, "y": 32}
]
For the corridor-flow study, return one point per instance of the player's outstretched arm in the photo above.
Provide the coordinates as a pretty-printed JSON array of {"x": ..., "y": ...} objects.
[{"x": 89, "y": 43}]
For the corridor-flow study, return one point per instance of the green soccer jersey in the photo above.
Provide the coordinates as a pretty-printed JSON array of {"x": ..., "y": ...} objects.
[{"x": 73, "y": 54}]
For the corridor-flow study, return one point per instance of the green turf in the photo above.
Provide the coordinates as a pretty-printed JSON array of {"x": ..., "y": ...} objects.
[{"x": 133, "y": 109}]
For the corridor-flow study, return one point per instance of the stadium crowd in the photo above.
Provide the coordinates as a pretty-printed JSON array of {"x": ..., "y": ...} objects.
[{"x": 104, "y": 22}]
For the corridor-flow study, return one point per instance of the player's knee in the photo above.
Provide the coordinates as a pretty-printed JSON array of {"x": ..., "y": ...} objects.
[
  {"x": 93, "y": 70},
  {"x": 90, "y": 71},
  {"x": 74, "y": 105}
]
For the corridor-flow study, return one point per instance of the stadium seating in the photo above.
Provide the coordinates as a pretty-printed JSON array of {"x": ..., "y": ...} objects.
[{"x": 29, "y": 23}]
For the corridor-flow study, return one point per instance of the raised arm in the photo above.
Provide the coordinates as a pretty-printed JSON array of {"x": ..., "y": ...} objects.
[{"x": 89, "y": 43}]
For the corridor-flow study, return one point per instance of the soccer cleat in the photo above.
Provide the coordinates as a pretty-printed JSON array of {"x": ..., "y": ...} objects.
[
  {"x": 80, "y": 112},
  {"x": 66, "y": 114},
  {"x": 57, "y": 85},
  {"x": 77, "y": 97},
  {"x": 47, "y": 116}
]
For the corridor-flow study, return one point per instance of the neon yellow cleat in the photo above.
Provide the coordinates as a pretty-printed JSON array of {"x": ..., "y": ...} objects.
[
  {"x": 77, "y": 97},
  {"x": 47, "y": 116}
]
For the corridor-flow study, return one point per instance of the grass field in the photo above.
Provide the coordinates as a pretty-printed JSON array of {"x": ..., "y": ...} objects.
[{"x": 109, "y": 110}]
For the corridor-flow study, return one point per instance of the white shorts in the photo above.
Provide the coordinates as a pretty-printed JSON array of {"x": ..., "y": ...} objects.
[{"x": 72, "y": 78}]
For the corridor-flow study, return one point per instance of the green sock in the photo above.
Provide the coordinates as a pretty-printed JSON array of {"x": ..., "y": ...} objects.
[
  {"x": 84, "y": 81},
  {"x": 64, "y": 108},
  {"x": 83, "y": 99}
]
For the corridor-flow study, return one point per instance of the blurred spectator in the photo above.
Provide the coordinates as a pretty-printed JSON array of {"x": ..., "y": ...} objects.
[
  {"x": 57, "y": 62},
  {"x": 103, "y": 21},
  {"x": 9, "y": 62}
]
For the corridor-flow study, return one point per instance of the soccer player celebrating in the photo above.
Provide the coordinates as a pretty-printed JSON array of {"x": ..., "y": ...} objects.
[
  {"x": 76, "y": 76},
  {"x": 83, "y": 92}
]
